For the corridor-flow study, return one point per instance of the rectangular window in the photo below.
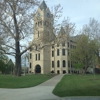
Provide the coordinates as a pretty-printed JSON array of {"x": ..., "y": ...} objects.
[
  {"x": 30, "y": 55},
  {"x": 30, "y": 65},
  {"x": 68, "y": 63},
  {"x": 68, "y": 52},
  {"x": 64, "y": 63},
  {"x": 52, "y": 53},
  {"x": 58, "y": 63},
  {"x": 71, "y": 46},
  {"x": 68, "y": 44},
  {"x": 57, "y": 52},
  {"x": 38, "y": 33},
  {"x": 52, "y": 64},
  {"x": 36, "y": 56},
  {"x": 71, "y": 64},
  {"x": 57, "y": 45},
  {"x": 58, "y": 72},
  {"x": 63, "y": 44},
  {"x": 63, "y": 52},
  {"x": 39, "y": 56},
  {"x": 52, "y": 46}
]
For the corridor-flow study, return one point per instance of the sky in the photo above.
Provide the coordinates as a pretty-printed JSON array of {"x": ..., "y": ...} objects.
[{"x": 79, "y": 11}]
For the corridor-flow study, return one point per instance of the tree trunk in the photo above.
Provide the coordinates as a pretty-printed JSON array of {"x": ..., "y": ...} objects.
[
  {"x": 18, "y": 61},
  {"x": 17, "y": 46}
]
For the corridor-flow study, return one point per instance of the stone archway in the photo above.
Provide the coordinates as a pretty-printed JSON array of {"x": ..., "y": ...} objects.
[{"x": 38, "y": 69}]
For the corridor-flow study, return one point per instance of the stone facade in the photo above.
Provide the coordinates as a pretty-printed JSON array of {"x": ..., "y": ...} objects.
[{"x": 50, "y": 53}]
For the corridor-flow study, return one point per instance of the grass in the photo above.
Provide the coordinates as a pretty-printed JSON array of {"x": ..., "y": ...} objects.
[
  {"x": 9, "y": 81},
  {"x": 78, "y": 85}
]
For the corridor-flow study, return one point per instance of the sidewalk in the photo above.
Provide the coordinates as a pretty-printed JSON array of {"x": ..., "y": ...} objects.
[{"x": 40, "y": 92}]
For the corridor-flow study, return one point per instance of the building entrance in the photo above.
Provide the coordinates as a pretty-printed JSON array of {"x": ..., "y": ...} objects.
[{"x": 38, "y": 69}]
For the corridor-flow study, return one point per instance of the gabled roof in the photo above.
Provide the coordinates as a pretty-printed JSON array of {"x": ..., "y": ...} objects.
[
  {"x": 62, "y": 31},
  {"x": 43, "y": 5}
]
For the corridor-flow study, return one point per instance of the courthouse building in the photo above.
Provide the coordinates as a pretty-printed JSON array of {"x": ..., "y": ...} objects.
[{"x": 50, "y": 52}]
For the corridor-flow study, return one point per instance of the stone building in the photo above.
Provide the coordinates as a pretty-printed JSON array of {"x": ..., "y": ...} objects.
[{"x": 50, "y": 52}]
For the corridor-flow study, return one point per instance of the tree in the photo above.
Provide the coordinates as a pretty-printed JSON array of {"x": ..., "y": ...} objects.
[
  {"x": 9, "y": 67},
  {"x": 78, "y": 65},
  {"x": 2, "y": 66},
  {"x": 84, "y": 53},
  {"x": 92, "y": 30},
  {"x": 15, "y": 24}
]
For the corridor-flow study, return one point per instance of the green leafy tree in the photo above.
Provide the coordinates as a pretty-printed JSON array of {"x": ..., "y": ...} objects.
[
  {"x": 2, "y": 66},
  {"x": 84, "y": 52},
  {"x": 92, "y": 30},
  {"x": 78, "y": 65},
  {"x": 9, "y": 67}
]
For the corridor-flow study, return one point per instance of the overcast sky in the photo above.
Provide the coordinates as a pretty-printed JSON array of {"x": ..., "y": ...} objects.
[{"x": 79, "y": 11}]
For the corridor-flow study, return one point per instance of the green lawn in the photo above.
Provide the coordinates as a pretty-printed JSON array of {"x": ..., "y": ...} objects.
[
  {"x": 78, "y": 85},
  {"x": 9, "y": 81}
]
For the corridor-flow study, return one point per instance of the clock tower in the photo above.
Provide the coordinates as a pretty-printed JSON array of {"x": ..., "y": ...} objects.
[{"x": 43, "y": 24}]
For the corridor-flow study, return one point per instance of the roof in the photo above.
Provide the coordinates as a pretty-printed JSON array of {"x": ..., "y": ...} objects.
[
  {"x": 43, "y": 5},
  {"x": 62, "y": 31}
]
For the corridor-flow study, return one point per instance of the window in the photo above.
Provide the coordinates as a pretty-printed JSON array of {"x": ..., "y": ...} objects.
[
  {"x": 69, "y": 71},
  {"x": 68, "y": 44},
  {"x": 36, "y": 56},
  {"x": 38, "y": 34},
  {"x": 57, "y": 45},
  {"x": 57, "y": 52},
  {"x": 52, "y": 46},
  {"x": 39, "y": 56},
  {"x": 52, "y": 64},
  {"x": 64, "y": 63},
  {"x": 64, "y": 71},
  {"x": 36, "y": 24},
  {"x": 52, "y": 53},
  {"x": 58, "y": 63},
  {"x": 40, "y": 22},
  {"x": 36, "y": 47},
  {"x": 58, "y": 72},
  {"x": 63, "y": 51},
  {"x": 30, "y": 55},
  {"x": 68, "y": 63},
  {"x": 71, "y": 64},
  {"x": 63, "y": 44},
  {"x": 30, "y": 49},
  {"x": 30, "y": 65},
  {"x": 71, "y": 46},
  {"x": 68, "y": 52}
]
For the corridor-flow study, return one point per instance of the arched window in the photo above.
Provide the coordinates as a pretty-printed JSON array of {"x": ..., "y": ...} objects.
[
  {"x": 64, "y": 63},
  {"x": 58, "y": 63}
]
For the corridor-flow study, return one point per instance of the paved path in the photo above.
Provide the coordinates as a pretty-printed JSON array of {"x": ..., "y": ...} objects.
[{"x": 40, "y": 92}]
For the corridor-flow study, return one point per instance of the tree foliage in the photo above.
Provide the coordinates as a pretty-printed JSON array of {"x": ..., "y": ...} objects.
[
  {"x": 84, "y": 52},
  {"x": 92, "y": 30},
  {"x": 2, "y": 66}
]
